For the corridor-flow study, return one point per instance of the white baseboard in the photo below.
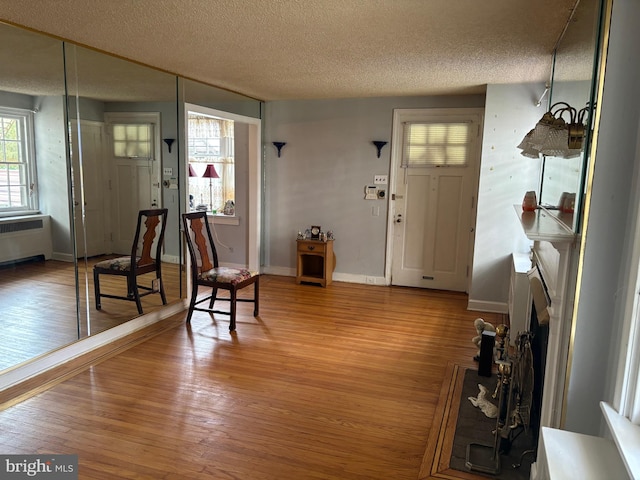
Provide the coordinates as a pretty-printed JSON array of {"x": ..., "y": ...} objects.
[
  {"x": 489, "y": 307},
  {"x": 171, "y": 259},
  {"x": 339, "y": 277},
  {"x": 62, "y": 257},
  {"x": 281, "y": 271},
  {"x": 365, "y": 279}
]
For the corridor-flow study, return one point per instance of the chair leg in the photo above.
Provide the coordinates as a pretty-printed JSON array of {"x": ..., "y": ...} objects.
[
  {"x": 192, "y": 303},
  {"x": 129, "y": 288},
  {"x": 136, "y": 294},
  {"x": 256, "y": 297},
  {"x": 162, "y": 295},
  {"x": 214, "y": 295},
  {"x": 232, "y": 324},
  {"x": 96, "y": 288}
]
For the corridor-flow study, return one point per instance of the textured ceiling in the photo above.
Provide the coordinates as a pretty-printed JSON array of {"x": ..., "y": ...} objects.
[{"x": 305, "y": 49}]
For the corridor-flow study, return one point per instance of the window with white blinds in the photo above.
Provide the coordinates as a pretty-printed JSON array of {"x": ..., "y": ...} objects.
[{"x": 437, "y": 144}]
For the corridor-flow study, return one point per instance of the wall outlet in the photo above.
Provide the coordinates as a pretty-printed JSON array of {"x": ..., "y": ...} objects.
[{"x": 380, "y": 179}]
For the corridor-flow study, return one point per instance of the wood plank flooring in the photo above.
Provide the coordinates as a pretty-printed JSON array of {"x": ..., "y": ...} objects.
[
  {"x": 39, "y": 310},
  {"x": 342, "y": 382}
]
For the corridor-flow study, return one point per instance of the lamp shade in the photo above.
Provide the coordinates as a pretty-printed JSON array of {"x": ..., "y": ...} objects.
[
  {"x": 210, "y": 172},
  {"x": 192, "y": 172}
]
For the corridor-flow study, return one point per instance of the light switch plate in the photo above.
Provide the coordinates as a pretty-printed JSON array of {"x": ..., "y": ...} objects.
[
  {"x": 380, "y": 179},
  {"x": 168, "y": 171}
]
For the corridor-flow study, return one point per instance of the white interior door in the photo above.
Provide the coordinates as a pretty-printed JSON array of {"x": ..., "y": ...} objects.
[
  {"x": 134, "y": 174},
  {"x": 433, "y": 212},
  {"x": 89, "y": 191}
]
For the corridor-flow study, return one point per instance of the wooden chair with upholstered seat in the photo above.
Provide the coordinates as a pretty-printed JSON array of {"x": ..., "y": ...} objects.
[
  {"x": 145, "y": 258},
  {"x": 205, "y": 271}
]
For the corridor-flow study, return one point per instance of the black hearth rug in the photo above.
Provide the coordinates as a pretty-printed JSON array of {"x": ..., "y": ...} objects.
[{"x": 474, "y": 427}]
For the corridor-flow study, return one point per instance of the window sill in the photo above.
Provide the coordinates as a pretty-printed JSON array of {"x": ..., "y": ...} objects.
[
  {"x": 626, "y": 436},
  {"x": 18, "y": 214},
  {"x": 221, "y": 219}
]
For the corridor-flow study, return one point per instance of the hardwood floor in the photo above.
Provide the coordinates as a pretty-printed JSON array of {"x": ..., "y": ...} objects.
[
  {"x": 39, "y": 311},
  {"x": 342, "y": 382}
]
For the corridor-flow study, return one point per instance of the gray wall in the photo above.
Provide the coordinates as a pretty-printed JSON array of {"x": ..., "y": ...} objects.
[
  {"x": 329, "y": 158},
  {"x": 505, "y": 176},
  {"x": 320, "y": 177},
  {"x": 53, "y": 173},
  {"x": 598, "y": 337}
]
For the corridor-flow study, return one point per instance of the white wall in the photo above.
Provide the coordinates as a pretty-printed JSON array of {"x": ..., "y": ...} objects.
[
  {"x": 505, "y": 176},
  {"x": 597, "y": 331},
  {"x": 320, "y": 177}
]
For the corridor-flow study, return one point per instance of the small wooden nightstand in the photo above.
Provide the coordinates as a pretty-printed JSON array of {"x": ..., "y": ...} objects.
[{"x": 315, "y": 261}]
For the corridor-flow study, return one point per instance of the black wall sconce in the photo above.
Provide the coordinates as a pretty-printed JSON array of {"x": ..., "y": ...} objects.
[
  {"x": 169, "y": 142},
  {"x": 279, "y": 146},
  {"x": 379, "y": 144}
]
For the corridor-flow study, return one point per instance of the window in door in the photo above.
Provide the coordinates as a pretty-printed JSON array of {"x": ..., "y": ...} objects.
[
  {"x": 133, "y": 140},
  {"x": 17, "y": 169},
  {"x": 436, "y": 144},
  {"x": 211, "y": 162}
]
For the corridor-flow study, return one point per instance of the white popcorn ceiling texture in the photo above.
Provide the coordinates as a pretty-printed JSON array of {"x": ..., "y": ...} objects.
[{"x": 304, "y": 49}]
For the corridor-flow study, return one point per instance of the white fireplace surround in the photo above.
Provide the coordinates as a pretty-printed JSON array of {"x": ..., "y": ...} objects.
[
  {"x": 554, "y": 253},
  {"x": 562, "y": 454},
  {"x": 554, "y": 256}
]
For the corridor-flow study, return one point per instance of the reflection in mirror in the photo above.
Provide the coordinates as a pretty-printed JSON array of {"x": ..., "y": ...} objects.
[
  {"x": 574, "y": 76},
  {"x": 119, "y": 113},
  {"x": 83, "y": 159},
  {"x": 38, "y": 307}
]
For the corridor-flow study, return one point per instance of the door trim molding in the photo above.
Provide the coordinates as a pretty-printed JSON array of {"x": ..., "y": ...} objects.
[{"x": 407, "y": 114}]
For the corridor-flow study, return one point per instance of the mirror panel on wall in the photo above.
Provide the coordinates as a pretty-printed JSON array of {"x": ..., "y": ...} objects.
[
  {"x": 123, "y": 127},
  {"x": 575, "y": 69},
  {"x": 38, "y": 276},
  {"x": 105, "y": 141}
]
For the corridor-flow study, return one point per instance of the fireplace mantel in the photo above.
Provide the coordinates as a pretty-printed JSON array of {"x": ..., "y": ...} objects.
[
  {"x": 555, "y": 255},
  {"x": 544, "y": 225}
]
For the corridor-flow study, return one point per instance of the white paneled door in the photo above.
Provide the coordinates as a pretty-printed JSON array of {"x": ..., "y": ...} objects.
[
  {"x": 135, "y": 173},
  {"x": 433, "y": 203},
  {"x": 88, "y": 188}
]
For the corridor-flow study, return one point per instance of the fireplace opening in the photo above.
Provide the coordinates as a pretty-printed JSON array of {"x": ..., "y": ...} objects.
[{"x": 539, "y": 343}]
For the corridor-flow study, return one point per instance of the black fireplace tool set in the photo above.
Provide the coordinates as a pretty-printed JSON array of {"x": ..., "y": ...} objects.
[{"x": 514, "y": 391}]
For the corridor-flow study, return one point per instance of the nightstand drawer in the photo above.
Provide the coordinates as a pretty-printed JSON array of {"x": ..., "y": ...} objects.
[{"x": 312, "y": 246}]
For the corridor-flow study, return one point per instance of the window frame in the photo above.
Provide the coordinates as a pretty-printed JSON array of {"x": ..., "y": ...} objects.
[
  {"x": 223, "y": 161},
  {"x": 26, "y": 118}
]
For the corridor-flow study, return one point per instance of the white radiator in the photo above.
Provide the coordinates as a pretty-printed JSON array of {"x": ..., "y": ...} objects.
[{"x": 24, "y": 237}]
